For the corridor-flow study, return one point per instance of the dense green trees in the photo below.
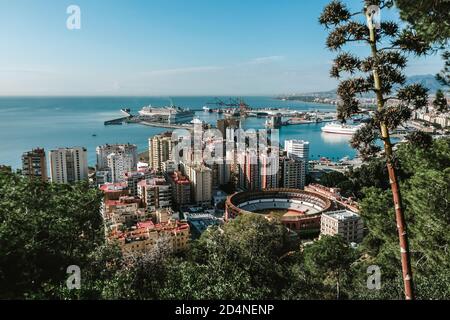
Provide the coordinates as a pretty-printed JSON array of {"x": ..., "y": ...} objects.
[
  {"x": 440, "y": 103},
  {"x": 329, "y": 260},
  {"x": 352, "y": 184},
  {"x": 428, "y": 17},
  {"x": 44, "y": 228},
  {"x": 427, "y": 209}
]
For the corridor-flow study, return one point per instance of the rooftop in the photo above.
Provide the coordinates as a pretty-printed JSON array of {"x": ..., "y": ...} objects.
[
  {"x": 111, "y": 187},
  {"x": 342, "y": 215},
  {"x": 179, "y": 178}
]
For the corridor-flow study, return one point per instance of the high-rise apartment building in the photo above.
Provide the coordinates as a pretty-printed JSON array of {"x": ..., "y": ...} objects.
[
  {"x": 252, "y": 173},
  {"x": 117, "y": 160},
  {"x": 270, "y": 170},
  {"x": 68, "y": 165},
  {"x": 169, "y": 166},
  {"x": 292, "y": 172},
  {"x": 119, "y": 164},
  {"x": 160, "y": 150},
  {"x": 200, "y": 177},
  {"x": 181, "y": 188},
  {"x": 298, "y": 148},
  {"x": 34, "y": 164}
]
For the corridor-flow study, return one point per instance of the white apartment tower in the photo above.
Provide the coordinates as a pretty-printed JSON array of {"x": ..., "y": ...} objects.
[
  {"x": 119, "y": 164},
  {"x": 68, "y": 165},
  {"x": 298, "y": 148},
  {"x": 104, "y": 151},
  {"x": 201, "y": 180}
]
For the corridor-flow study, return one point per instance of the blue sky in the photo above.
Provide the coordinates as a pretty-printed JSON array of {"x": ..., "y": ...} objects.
[{"x": 168, "y": 47}]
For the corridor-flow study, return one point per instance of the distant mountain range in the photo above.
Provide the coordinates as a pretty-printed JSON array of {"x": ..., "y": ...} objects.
[{"x": 428, "y": 81}]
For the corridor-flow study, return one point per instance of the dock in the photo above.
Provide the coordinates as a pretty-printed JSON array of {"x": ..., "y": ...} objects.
[
  {"x": 167, "y": 125},
  {"x": 118, "y": 121}
]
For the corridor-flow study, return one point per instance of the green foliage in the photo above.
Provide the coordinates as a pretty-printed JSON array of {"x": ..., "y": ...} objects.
[
  {"x": 332, "y": 179},
  {"x": 430, "y": 18},
  {"x": 420, "y": 139},
  {"x": 426, "y": 194},
  {"x": 444, "y": 76},
  {"x": 44, "y": 228},
  {"x": 329, "y": 260},
  {"x": 238, "y": 261},
  {"x": 371, "y": 173},
  {"x": 440, "y": 103}
]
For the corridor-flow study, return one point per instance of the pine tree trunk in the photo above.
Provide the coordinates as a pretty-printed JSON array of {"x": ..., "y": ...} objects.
[{"x": 400, "y": 217}]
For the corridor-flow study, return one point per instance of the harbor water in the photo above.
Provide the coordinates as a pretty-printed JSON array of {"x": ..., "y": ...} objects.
[{"x": 52, "y": 122}]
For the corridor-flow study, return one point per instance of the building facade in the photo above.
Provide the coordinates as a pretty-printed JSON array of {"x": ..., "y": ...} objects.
[
  {"x": 147, "y": 236},
  {"x": 34, "y": 164},
  {"x": 200, "y": 177},
  {"x": 160, "y": 150},
  {"x": 345, "y": 223},
  {"x": 224, "y": 124},
  {"x": 298, "y": 148},
  {"x": 156, "y": 193},
  {"x": 68, "y": 165},
  {"x": 104, "y": 151},
  {"x": 119, "y": 164},
  {"x": 292, "y": 172},
  {"x": 134, "y": 177},
  {"x": 181, "y": 188}
]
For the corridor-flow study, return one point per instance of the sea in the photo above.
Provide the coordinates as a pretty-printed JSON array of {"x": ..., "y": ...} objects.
[{"x": 53, "y": 122}]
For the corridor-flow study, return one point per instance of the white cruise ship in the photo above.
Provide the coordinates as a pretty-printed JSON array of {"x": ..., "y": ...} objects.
[
  {"x": 170, "y": 114},
  {"x": 340, "y": 128}
]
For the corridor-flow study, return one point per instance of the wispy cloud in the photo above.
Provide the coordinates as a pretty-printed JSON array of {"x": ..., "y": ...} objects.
[{"x": 269, "y": 59}]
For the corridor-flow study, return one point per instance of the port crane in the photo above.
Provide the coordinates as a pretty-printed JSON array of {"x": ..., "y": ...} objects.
[{"x": 232, "y": 103}]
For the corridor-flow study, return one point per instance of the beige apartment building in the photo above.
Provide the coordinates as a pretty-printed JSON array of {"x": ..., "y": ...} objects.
[
  {"x": 345, "y": 223},
  {"x": 160, "y": 150}
]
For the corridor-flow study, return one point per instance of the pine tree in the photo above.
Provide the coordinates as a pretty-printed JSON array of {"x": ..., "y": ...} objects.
[
  {"x": 440, "y": 103},
  {"x": 380, "y": 73},
  {"x": 431, "y": 19},
  {"x": 428, "y": 17},
  {"x": 444, "y": 76}
]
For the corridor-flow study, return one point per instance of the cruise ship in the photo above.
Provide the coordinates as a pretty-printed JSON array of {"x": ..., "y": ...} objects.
[
  {"x": 171, "y": 115},
  {"x": 340, "y": 128}
]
